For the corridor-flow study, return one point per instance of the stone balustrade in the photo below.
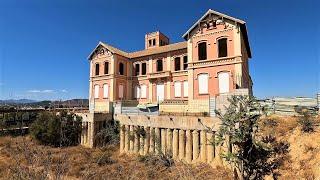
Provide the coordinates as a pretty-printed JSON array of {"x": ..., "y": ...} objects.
[{"x": 188, "y": 139}]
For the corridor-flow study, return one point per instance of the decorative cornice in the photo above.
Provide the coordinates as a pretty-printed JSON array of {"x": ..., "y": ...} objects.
[
  {"x": 215, "y": 62},
  {"x": 211, "y": 33}
]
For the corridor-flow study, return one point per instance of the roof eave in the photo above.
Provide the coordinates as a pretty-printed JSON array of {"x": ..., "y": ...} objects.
[{"x": 184, "y": 36}]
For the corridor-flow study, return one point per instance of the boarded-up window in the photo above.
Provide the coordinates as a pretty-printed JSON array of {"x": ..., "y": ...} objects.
[
  {"x": 177, "y": 89},
  {"x": 143, "y": 91},
  {"x": 203, "y": 83},
  {"x": 222, "y": 47},
  {"x": 120, "y": 91},
  {"x": 177, "y": 64},
  {"x": 105, "y": 91},
  {"x": 185, "y": 88},
  {"x": 202, "y": 51},
  {"x": 223, "y": 82},
  {"x": 96, "y": 91},
  {"x": 144, "y": 68},
  {"x": 137, "y": 92},
  {"x": 97, "y": 69}
]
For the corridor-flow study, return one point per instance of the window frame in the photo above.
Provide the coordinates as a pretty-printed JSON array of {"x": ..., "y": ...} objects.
[
  {"x": 177, "y": 61},
  {"x": 121, "y": 63},
  {"x": 157, "y": 67},
  {"x": 144, "y": 63},
  {"x": 106, "y": 70},
  {"x": 206, "y": 90},
  {"x": 185, "y": 63},
  {"x": 202, "y": 55},
  {"x": 105, "y": 91},
  {"x": 226, "y": 47},
  {"x": 97, "y": 70},
  {"x": 137, "y": 69}
]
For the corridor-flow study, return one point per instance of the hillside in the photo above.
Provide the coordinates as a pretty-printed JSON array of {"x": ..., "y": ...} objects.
[{"x": 23, "y": 156}]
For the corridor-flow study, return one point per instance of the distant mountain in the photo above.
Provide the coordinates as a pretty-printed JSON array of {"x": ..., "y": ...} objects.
[
  {"x": 17, "y": 101},
  {"x": 34, "y": 103}
]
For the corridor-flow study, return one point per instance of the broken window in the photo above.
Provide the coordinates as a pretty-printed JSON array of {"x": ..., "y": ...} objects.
[
  {"x": 185, "y": 62},
  {"x": 159, "y": 65},
  {"x": 106, "y": 67},
  {"x": 144, "y": 68},
  {"x": 137, "y": 69},
  {"x": 177, "y": 64},
  {"x": 121, "y": 68},
  {"x": 97, "y": 69},
  {"x": 222, "y": 47}
]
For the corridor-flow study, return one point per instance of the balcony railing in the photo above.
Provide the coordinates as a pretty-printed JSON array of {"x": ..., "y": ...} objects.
[{"x": 162, "y": 74}]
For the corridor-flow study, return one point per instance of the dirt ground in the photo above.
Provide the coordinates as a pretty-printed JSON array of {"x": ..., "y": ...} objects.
[{"x": 23, "y": 158}]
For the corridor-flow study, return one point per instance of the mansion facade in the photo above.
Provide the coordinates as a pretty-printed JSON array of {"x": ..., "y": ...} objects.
[{"x": 211, "y": 60}]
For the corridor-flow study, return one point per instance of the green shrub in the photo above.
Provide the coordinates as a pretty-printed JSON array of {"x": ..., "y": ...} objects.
[
  {"x": 62, "y": 129},
  {"x": 109, "y": 135}
]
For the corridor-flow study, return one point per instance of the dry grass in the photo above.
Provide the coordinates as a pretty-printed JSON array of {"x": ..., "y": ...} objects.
[
  {"x": 82, "y": 163},
  {"x": 303, "y": 160}
]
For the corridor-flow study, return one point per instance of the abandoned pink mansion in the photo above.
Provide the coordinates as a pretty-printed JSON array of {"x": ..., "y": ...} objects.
[{"x": 167, "y": 87}]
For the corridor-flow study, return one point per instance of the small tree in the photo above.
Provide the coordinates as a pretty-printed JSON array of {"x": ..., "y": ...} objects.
[
  {"x": 306, "y": 120},
  {"x": 252, "y": 156}
]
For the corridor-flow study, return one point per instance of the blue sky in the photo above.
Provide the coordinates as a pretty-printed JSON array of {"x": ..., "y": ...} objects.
[{"x": 44, "y": 44}]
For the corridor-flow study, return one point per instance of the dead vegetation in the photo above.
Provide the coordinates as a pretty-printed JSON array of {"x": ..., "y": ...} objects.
[
  {"x": 22, "y": 158},
  {"x": 303, "y": 160}
]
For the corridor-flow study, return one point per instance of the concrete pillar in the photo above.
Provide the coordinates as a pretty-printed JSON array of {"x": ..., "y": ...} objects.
[
  {"x": 157, "y": 140},
  {"x": 122, "y": 138},
  {"x": 188, "y": 146},
  {"x": 131, "y": 138},
  {"x": 136, "y": 141},
  {"x": 182, "y": 143},
  {"x": 175, "y": 144},
  {"x": 210, "y": 147},
  {"x": 126, "y": 138},
  {"x": 141, "y": 145},
  {"x": 203, "y": 146},
  {"x": 195, "y": 145},
  {"x": 152, "y": 137},
  {"x": 146, "y": 140},
  {"x": 169, "y": 141},
  {"x": 163, "y": 140}
]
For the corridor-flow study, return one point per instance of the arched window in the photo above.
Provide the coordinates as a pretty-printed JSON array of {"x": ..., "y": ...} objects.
[
  {"x": 202, "y": 51},
  {"x": 203, "y": 81},
  {"x": 121, "y": 68},
  {"x": 106, "y": 67},
  {"x": 222, "y": 47},
  {"x": 159, "y": 65},
  {"x": 97, "y": 69},
  {"x": 137, "y": 69},
  {"x": 177, "y": 64},
  {"x": 96, "y": 91}
]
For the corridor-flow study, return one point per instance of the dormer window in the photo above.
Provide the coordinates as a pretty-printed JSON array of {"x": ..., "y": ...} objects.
[
  {"x": 202, "y": 51},
  {"x": 222, "y": 47}
]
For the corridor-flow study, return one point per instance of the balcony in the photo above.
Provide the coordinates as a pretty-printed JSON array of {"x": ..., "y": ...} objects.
[{"x": 156, "y": 75}]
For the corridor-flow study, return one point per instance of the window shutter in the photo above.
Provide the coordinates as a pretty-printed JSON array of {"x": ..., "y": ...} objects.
[
  {"x": 143, "y": 91},
  {"x": 185, "y": 88},
  {"x": 203, "y": 83},
  {"x": 120, "y": 91},
  {"x": 105, "y": 90},
  {"x": 177, "y": 89},
  {"x": 96, "y": 91}
]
